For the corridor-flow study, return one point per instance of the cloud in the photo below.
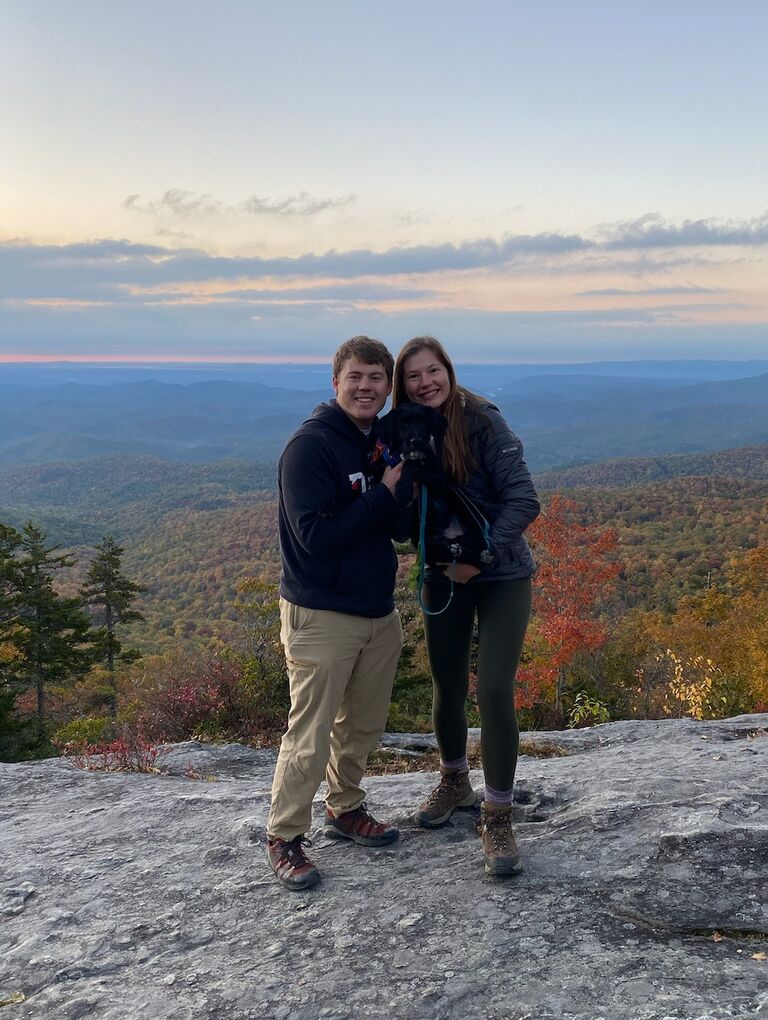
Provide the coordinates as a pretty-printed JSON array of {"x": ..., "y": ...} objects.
[
  {"x": 152, "y": 276},
  {"x": 302, "y": 204},
  {"x": 99, "y": 250},
  {"x": 189, "y": 204},
  {"x": 649, "y": 291},
  {"x": 119, "y": 262},
  {"x": 89, "y": 269},
  {"x": 176, "y": 202},
  {"x": 338, "y": 291},
  {"x": 414, "y": 218},
  {"x": 475, "y": 254},
  {"x": 597, "y": 261},
  {"x": 652, "y": 231},
  {"x": 178, "y": 236}
]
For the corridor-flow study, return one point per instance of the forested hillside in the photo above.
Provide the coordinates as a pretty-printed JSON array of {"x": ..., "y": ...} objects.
[
  {"x": 650, "y": 599},
  {"x": 192, "y": 531},
  {"x": 675, "y": 536},
  {"x": 124, "y": 494},
  {"x": 743, "y": 462}
]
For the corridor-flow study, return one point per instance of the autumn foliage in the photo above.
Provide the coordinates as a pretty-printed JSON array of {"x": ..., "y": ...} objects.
[
  {"x": 126, "y": 754},
  {"x": 576, "y": 568},
  {"x": 649, "y": 602}
]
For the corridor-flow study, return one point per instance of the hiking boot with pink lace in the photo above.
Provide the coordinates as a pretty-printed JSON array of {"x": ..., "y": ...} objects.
[
  {"x": 360, "y": 826},
  {"x": 499, "y": 847},
  {"x": 453, "y": 791}
]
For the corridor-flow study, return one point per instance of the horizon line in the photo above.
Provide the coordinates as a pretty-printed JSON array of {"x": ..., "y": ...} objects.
[
  {"x": 118, "y": 360},
  {"x": 159, "y": 359}
]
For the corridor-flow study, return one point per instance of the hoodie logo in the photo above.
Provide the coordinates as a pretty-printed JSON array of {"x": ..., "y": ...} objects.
[{"x": 358, "y": 482}]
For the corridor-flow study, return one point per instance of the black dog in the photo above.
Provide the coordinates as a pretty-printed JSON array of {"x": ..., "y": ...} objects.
[{"x": 454, "y": 529}]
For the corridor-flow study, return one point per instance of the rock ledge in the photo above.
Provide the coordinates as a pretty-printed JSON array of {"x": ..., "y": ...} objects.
[{"x": 644, "y": 895}]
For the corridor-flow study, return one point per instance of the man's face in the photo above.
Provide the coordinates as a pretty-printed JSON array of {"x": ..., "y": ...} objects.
[{"x": 361, "y": 390}]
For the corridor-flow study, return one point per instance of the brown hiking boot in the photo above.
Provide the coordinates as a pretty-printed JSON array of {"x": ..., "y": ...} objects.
[
  {"x": 361, "y": 827},
  {"x": 289, "y": 862},
  {"x": 453, "y": 791},
  {"x": 499, "y": 847}
]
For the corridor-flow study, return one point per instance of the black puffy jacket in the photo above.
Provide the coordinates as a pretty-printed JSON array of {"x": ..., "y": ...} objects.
[{"x": 500, "y": 485}]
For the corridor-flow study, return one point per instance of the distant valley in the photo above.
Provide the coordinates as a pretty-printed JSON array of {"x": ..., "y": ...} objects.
[{"x": 565, "y": 418}]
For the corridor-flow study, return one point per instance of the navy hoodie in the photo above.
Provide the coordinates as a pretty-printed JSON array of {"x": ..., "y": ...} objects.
[{"x": 335, "y": 522}]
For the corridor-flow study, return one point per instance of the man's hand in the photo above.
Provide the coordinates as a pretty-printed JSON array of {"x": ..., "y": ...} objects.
[{"x": 391, "y": 476}]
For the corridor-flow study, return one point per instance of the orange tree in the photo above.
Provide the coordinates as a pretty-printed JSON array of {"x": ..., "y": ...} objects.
[{"x": 576, "y": 570}]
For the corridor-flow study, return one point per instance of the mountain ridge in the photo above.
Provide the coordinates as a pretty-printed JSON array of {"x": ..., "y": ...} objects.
[{"x": 737, "y": 462}]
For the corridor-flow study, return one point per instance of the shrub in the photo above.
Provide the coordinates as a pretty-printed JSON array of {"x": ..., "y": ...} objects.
[
  {"x": 213, "y": 696},
  {"x": 96, "y": 730},
  {"x": 586, "y": 711},
  {"x": 123, "y": 755}
]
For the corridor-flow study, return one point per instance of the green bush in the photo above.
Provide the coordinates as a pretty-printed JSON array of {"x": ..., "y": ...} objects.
[{"x": 97, "y": 730}]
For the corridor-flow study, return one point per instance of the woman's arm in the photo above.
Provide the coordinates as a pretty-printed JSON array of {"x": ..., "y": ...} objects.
[{"x": 513, "y": 493}]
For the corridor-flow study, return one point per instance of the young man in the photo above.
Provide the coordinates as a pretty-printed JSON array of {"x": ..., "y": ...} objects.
[{"x": 339, "y": 627}]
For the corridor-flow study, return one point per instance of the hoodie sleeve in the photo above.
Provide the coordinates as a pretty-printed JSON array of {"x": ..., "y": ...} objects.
[
  {"x": 322, "y": 519},
  {"x": 514, "y": 495}
]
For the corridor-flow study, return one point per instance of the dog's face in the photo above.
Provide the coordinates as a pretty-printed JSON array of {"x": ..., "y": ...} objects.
[{"x": 413, "y": 431}]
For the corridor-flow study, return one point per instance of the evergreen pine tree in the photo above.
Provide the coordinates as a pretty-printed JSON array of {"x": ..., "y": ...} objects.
[
  {"x": 11, "y": 727},
  {"x": 110, "y": 594},
  {"x": 10, "y": 540},
  {"x": 51, "y": 632},
  {"x": 17, "y": 743}
]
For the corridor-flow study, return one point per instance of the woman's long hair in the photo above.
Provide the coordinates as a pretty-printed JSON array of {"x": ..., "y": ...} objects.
[{"x": 457, "y": 455}]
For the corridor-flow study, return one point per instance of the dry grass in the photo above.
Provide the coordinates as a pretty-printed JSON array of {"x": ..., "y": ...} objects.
[
  {"x": 543, "y": 749},
  {"x": 389, "y": 761}
]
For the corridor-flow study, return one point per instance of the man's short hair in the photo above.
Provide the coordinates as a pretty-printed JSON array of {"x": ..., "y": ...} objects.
[{"x": 370, "y": 352}]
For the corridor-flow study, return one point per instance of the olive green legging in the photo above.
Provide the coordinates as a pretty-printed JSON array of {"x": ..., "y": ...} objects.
[{"x": 502, "y": 608}]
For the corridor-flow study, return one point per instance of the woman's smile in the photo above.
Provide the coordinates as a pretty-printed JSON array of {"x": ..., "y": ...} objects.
[{"x": 426, "y": 379}]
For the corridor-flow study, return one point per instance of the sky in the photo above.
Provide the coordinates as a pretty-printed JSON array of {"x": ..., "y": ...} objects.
[{"x": 529, "y": 181}]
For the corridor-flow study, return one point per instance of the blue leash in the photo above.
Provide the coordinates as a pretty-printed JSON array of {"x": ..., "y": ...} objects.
[
  {"x": 479, "y": 519},
  {"x": 422, "y": 557}
]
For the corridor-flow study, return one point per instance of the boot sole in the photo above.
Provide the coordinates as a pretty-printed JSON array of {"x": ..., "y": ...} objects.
[
  {"x": 390, "y": 837},
  {"x": 299, "y": 885},
  {"x": 500, "y": 867},
  {"x": 434, "y": 823}
]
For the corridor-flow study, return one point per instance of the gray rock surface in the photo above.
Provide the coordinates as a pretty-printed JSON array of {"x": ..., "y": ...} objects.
[{"x": 644, "y": 895}]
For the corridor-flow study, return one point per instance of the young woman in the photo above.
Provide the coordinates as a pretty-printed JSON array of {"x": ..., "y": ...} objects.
[{"x": 485, "y": 459}]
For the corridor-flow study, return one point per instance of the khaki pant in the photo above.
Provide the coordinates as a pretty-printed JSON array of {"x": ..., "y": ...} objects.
[{"x": 341, "y": 669}]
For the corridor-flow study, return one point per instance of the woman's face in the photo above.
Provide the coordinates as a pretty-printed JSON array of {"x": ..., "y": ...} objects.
[{"x": 426, "y": 379}]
